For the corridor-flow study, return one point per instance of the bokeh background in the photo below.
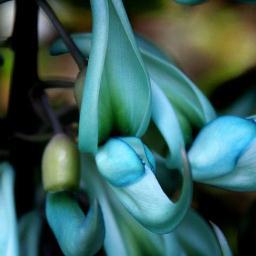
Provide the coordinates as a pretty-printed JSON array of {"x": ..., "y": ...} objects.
[{"x": 215, "y": 45}]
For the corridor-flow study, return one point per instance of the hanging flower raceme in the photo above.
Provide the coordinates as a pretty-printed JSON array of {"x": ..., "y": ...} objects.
[
  {"x": 223, "y": 154},
  {"x": 9, "y": 245}
]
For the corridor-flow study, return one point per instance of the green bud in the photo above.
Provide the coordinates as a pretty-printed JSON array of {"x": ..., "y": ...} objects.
[{"x": 60, "y": 164}]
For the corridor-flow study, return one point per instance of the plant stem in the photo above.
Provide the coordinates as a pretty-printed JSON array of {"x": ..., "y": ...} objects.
[
  {"x": 56, "y": 126},
  {"x": 24, "y": 156},
  {"x": 75, "y": 52}
]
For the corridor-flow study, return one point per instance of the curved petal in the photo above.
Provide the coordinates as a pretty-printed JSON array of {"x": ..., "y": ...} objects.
[
  {"x": 124, "y": 235},
  {"x": 225, "y": 143},
  {"x": 243, "y": 176},
  {"x": 118, "y": 174},
  {"x": 76, "y": 233},
  {"x": 8, "y": 223},
  {"x": 83, "y": 42},
  {"x": 29, "y": 234},
  {"x": 166, "y": 121},
  {"x": 143, "y": 197},
  {"x": 179, "y": 89},
  {"x": 225, "y": 249},
  {"x": 117, "y": 85},
  {"x": 186, "y": 97},
  {"x": 194, "y": 236}
]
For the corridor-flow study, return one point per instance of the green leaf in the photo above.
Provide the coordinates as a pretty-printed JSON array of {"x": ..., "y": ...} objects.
[
  {"x": 8, "y": 223},
  {"x": 76, "y": 233},
  {"x": 117, "y": 94}
]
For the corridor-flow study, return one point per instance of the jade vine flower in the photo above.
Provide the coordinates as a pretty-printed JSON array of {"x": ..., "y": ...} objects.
[
  {"x": 175, "y": 99},
  {"x": 130, "y": 90},
  {"x": 117, "y": 98},
  {"x": 228, "y": 156},
  {"x": 129, "y": 166}
]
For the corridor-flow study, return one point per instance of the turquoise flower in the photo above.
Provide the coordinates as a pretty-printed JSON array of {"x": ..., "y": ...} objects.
[
  {"x": 223, "y": 154},
  {"x": 117, "y": 95},
  {"x": 175, "y": 99}
]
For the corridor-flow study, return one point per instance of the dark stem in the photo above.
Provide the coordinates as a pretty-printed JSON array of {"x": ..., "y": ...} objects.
[
  {"x": 56, "y": 126},
  {"x": 56, "y": 84},
  {"x": 74, "y": 50},
  {"x": 24, "y": 156}
]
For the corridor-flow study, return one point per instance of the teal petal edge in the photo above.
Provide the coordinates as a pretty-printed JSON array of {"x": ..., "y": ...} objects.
[
  {"x": 9, "y": 244},
  {"x": 29, "y": 233},
  {"x": 76, "y": 233}
]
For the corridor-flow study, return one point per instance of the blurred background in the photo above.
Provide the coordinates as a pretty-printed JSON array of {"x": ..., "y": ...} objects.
[{"x": 213, "y": 43}]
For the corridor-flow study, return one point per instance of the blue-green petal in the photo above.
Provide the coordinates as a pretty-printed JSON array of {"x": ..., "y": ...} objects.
[
  {"x": 186, "y": 97},
  {"x": 194, "y": 236},
  {"x": 166, "y": 121},
  {"x": 119, "y": 163},
  {"x": 8, "y": 223},
  {"x": 77, "y": 234},
  {"x": 83, "y": 42},
  {"x": 227, "y": 158},
  {"x": 117, "y": 87},
  {"x": 29, "y": 233},
  {"x": 143, "y": 197}
]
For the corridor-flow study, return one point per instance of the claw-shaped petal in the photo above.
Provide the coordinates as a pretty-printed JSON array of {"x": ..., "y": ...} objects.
[
  {"x": 116, "y": 96},
  {"x": 142, "y": 196},
  {"x": 190, "y": 105},
  {"x": 76, "y": 233},
  {"x": 224, "y": 154}
]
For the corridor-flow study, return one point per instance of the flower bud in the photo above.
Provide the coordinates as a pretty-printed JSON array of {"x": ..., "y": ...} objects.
[
  {"x": 60, "y": 164},
  {"x": 223, "y": 154}
]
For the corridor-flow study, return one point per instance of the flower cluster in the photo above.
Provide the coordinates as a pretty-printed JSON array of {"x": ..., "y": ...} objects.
[
  {"x": 132, "y": 94},
  {"x": 137, "y": 114}
]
